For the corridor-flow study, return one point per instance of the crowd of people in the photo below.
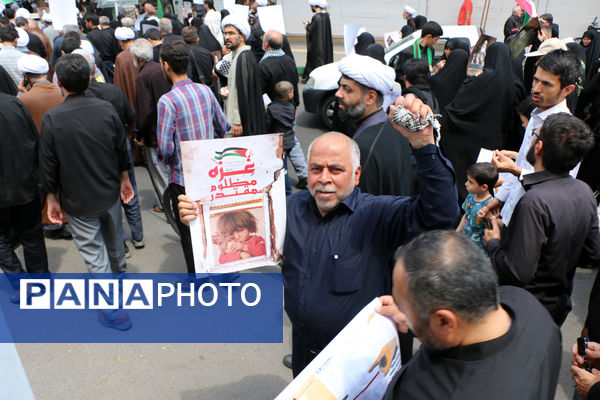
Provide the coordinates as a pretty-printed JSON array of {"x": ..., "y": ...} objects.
[{"x": 486, "y": 291}]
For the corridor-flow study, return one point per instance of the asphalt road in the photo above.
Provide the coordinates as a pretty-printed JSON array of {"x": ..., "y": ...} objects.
[{"x": 189, "y": 371}]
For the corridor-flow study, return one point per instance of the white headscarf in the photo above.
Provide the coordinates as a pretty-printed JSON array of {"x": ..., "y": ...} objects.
[
  {"x": 23, "y": 40},
  {"x": 368, "y": 72},
  {"x": 122, "y": 33}
]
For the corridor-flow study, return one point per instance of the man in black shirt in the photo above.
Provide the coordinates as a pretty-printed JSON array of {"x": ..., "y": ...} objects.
[
  {"x": 479, "y": 340},
  {"x": 513, "y": 23},
  {"x": 554, "y": 226},
  {"x": 83, "y": 157},
  {"x": 104, "y": 40},
  {"x": 422, "y": 48}
]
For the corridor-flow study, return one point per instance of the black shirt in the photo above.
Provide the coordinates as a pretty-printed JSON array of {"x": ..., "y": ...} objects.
[
  {"x": 554, "y": 227},
  {"x": 82, "y": 153},
  {"x": 114, "y": 95},
  {"x": 277, "y": 69},
  {"x": 281, "y": 115},
  {"x": 521, "y": 364},
  {"x": 18, "y": 153},
  {"x": 104, "y": 40},
  {"x": 336, "y": 264}
]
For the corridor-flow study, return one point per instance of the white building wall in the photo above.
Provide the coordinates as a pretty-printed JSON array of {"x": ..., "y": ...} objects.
[{"x": 380, "y": 16}]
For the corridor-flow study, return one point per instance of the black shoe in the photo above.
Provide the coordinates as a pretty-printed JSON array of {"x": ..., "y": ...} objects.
[
  {"x": 57, "y": 234},
  {"x": 287, "y": 361},
  {"x": 302, "y": 183}
]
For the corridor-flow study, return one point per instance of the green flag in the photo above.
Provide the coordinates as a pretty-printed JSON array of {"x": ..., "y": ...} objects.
[{"x": 160, "y": 12}]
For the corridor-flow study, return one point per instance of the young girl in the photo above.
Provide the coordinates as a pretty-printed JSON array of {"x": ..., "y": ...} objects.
[
  {"x": 481, "y": 179},
  {"x": 237, "y": 237}
]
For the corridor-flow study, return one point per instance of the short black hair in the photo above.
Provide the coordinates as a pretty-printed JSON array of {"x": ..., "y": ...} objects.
[
  {"x": 547, "y": 17},
  {"x": 189, "y": 34},
  {"x": 526, "y": 107},
  {"x": 177, "y": 55},
  {"x": 69, "y": 44},
  {"x": 210, "y": 4},
  {"x": 93, "y": 18},
  {"x": 9, "y": 12},
  {"x": 416, "y": 71},
  {"x": 446, "y": 269},
  {"x": 4, "y": 21},
  {"x": 152, "y": 34},
  {"x": 73, "y": 34},
  {"x": 432, "y": 28},
  {"x": 562, "y": 63},
  {"x": 8, "y": 33},
  {"x": 20, "y": 21},
  {"x": 484, "y": 174},
  {"x": 73, "y": 72},
  {"x": 566, "y": 140}
]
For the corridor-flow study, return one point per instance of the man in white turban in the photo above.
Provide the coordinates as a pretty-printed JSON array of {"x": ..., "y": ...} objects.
[
  {"x": 408, "y": 14},
  {"x": 244, "y": 106},
  {"x": 319, "y": 44},
  {"x": 385, "y": 155}
]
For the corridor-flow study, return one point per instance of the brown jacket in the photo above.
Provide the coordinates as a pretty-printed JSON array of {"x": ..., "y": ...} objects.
[{"x": 40, "y": 99}]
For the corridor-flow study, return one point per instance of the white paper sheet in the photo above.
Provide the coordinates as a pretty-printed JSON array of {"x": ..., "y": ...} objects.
[
  {"x": 350, "y": 34},
  {"x": 64, "y": 12},
  {"x": 271, "y": 18}
]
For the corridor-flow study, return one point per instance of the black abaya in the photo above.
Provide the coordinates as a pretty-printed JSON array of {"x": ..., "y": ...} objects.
[
  {"x": 319, "y": 44},
  {"x": 446, "y": 83}
]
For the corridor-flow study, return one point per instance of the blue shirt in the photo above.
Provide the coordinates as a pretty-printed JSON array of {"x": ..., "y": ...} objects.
[{"x": 336, "y": 264}]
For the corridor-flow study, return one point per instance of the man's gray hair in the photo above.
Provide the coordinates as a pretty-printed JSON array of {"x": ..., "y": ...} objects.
[
  {"x": 89, "y": 58},
  {"x": 104, "y": 20},
  {"x": 354, "y": 149},
  {"x": 165, "y": 25},
  {"x": 446, "y": 269},
  {"x": 516, "y": 8},
  {"x": 127, "y": 22},
  {"x": 142, "y": 49},
  {"x": 70, "y": 28}
]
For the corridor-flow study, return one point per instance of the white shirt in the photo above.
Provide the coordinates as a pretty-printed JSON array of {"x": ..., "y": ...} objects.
[{"x": 511, "y": 190}]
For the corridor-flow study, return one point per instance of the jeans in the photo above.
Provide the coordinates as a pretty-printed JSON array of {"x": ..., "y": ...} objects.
[
  {"x": 26, "y": 222},
  {"x": 298, "y": 161},
  {"x": 133, "y": 213},
  {"x": 100, "y": 240}
]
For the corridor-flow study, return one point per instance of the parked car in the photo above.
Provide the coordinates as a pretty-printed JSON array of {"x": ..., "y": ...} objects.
[{"x": 319, "y": 92}]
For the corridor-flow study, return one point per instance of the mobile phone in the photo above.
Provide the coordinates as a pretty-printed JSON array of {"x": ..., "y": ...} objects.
[{"x": 582, "y": 343}]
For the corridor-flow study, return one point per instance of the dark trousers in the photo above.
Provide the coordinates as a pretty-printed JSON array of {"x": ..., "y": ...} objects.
[
  {"x": 25, "y": 221},
  {"x": 184, "y": 230}
]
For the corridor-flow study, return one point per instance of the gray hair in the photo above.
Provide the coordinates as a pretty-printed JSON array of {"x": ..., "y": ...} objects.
[
  {"x": 142, "y": 49},
  {"x": 446, "y": 269},
  {"x": 516, "y": 8},
  {"x": 70, "y": 28},
  {"x": 104, "y": 20},
  {"x": 354, "y": 149},
  {"x": 165, "y": 25},
  {"x": 88, "y": 57},
  {"x": 127, "y": 22}
]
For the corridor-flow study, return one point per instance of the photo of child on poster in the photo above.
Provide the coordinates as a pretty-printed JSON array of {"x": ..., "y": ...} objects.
[{"x": 237, "y": 236}]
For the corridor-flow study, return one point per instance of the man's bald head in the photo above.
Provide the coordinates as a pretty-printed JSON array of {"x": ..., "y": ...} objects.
[
  {"x": 353, "y": 149},
  {"x": 274, "y": 39}
]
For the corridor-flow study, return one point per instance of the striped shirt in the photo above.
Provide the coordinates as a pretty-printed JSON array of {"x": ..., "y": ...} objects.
[
  {"x": 189, "y": 111},
  {"x": 8, "y": 59}
]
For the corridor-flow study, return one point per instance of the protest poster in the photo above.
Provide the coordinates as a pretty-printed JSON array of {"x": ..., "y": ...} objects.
[
  {"x": 271, "y": 18},
  {"x": 238, "y": 186},
  {"x": 64, "y": 12},
  {"x": 351, "y": 32},
  {"x": 359, "y": 363},
  {"x": 391, "y": 37},
  {"x": 525, "y": 38},
  {"x": 477, "y": 58},
  {"x": 240, "y": 11}
]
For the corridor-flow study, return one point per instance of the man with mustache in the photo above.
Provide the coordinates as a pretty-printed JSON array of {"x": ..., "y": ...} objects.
[
  {"x": 554, "y": 80},
  {"x": 339, "y": 241},
  {"x": 384, "y": 155},
  {"x": 554, "y": 226}
]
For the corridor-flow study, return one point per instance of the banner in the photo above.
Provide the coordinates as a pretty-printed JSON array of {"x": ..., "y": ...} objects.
[
  {"x": 477, "y": 57},
  {"x": 351, "y": 32},
  {"x": 359, "y": 363},
  {"x": 160, "y": 308},
  {"x": 238, "y": 186},
  {"x": 271, "y": 18},
  {"x": 64, "y": 12}
]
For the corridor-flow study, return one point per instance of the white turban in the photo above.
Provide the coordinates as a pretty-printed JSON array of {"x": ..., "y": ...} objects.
[
  {"x": 47, "y": 17},
  {"x": 410, "y": 10},
  {"x": 368, "y": 72},
  {"x": 124, "y": 34},
  {"x": 23, "y": 40},
  {"x": 22, "y": 12},
  {"x": 87, "y": 46},
  {"x": 239, "y": 22},
  {"x": 32, "y": 64},
  {"x": 262, "y": 3},
  {"x": 318, "y": 3}
]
